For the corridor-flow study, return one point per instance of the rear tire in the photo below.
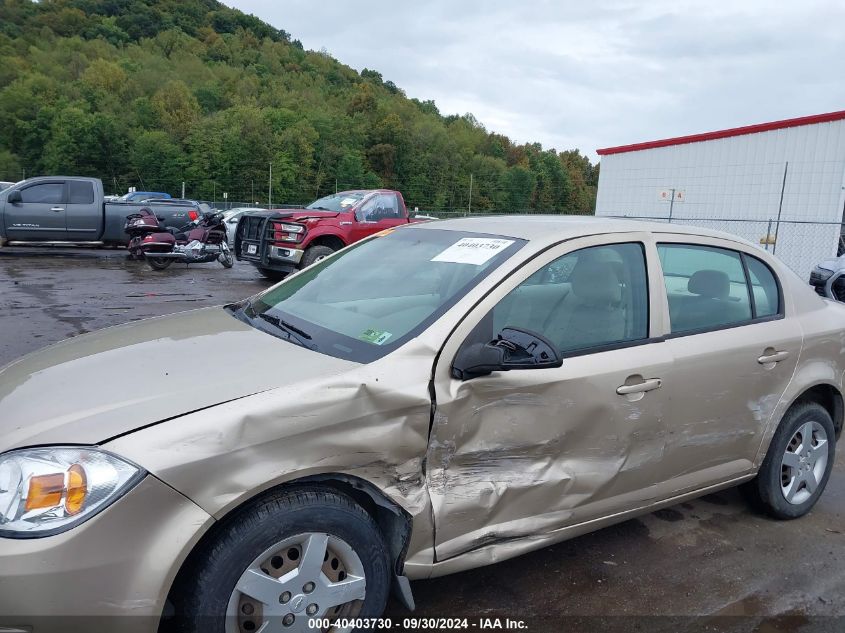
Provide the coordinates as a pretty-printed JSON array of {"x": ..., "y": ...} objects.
[
  {"x": 226, "y": 259},
  {"x": 159, "y": 263},
  {"x": 797, "y": 465},
  {"x": 242, "y": 555},
  {"x": 272, "y": 275},
  {"x": 314, "y": 254}
]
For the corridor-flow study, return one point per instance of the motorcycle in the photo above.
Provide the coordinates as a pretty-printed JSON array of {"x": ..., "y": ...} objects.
[{"x": 198, "y": 242}]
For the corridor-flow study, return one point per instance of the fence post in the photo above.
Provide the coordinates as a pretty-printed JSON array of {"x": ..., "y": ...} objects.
[{"x": 768, "y": 233}]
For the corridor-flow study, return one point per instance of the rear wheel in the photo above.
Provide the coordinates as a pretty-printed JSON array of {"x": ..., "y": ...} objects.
[
  {"x": 226, "y": 258},
  {"x": 159, "y": 263},
  {"x": 289, "y": 558},
  {"x": 273, "y": 275},
  {"x": 313, "y": 254},
  {"x": 798, "y": 464}
]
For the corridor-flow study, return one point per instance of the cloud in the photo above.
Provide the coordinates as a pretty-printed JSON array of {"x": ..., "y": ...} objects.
[{"x": 588, "y": 75}]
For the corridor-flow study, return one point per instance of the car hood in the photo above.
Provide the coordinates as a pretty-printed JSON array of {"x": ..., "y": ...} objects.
[
  {"x": 301, "y": 214},
  {"x": 97, "y": 386}
]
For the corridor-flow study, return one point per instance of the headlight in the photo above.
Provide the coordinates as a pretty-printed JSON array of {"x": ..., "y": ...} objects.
[
  {"x": 44, "y": 491},
  {"x": 290, "y": 228}
]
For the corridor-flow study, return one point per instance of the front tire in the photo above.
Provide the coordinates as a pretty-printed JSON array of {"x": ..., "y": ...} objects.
[
  {"x": 290, "y": 557},
  {"x": 313, "y": 254},
  {"x": 797, "y": 465}
]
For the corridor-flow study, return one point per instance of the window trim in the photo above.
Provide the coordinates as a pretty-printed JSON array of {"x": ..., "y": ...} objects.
[
  {"x": 726, "y": 326},
  {"x": 63, "y": 183}
]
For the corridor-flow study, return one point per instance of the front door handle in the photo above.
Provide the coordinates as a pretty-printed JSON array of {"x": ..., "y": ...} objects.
[
  {"x": 57, "y": 209},
  {"x": 640, "y": 387},
  {"x": 775, "y": 357}
]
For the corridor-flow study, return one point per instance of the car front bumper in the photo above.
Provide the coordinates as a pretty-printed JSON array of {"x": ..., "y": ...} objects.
[
  {"x": 285, "y": 255},
  {"x": 111, "y": 573}
]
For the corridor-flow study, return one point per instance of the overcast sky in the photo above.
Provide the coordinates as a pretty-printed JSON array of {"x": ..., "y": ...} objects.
[{"x": 588, "y": 74}]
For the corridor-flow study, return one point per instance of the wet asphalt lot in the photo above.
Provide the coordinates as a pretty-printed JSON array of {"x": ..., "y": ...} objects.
[{"x": 713, "y": 559}]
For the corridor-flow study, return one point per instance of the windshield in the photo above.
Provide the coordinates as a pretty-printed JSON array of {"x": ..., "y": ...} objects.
[
  {"x": 368, "y": 299},
  {"x": 338, "y": 202}
]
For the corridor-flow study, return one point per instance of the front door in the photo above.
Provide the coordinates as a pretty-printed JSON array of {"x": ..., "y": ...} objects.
[
  {"x": 39, "y": 215},
  {"x": 734, "y": 357},
  {"x": 521, "y": 453},
  {"x": 377, "y": 213}
]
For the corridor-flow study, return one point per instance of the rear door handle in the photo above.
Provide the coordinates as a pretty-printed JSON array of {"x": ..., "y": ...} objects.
[
  {"x": 57, "y": 209},
  {"x": 773, "y": 358},
  {"x": 640, "y": 387}
]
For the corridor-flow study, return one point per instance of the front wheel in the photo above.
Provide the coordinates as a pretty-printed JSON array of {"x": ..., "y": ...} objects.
[
  {"x": 797, "y": 466},
  {"x": 226, "y": 258},
  {"x": 314, "y": 254},
  {"x": 284, "y": 560},
  {"x": 159, "y": 263}
]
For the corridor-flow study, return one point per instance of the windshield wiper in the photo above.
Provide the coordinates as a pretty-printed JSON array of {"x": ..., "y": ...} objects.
[
  {"x": 318, "y": 208},
  {"x": 292, "y": 331}
]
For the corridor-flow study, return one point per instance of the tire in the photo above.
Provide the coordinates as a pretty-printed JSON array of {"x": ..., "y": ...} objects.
[
  {"x": 776, "y": 481},
  {"x": 208, "y": 588},
  {"x": 272, "y": 275},
  {"x": 314, "y": 254},
  {"x": 159, "y": 263},
  {"x": 226, "y": 259}
]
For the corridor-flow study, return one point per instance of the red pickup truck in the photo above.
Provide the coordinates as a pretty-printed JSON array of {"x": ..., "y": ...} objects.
[{"x": 280, "y": 241}]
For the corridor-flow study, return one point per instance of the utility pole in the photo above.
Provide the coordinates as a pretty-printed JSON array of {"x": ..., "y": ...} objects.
[
  {"x": 470, "y": 195},
  {"x": 213, "y": 193},
  {"x": 335, "y": 185},
  {"x": 183, "y": 190},
  {"x": 270, "y": 189},
  {"x": 780, "y": 207}
]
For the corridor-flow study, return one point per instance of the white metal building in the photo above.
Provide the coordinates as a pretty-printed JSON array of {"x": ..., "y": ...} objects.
[{"x": 783, "y": 179}]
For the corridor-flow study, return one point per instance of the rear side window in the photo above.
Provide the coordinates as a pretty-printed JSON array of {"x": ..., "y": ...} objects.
[
  {"x": 764, "y": 287},
  {"x": 706, "y": 287},
  {"x": 45, "y": 193},
  {"x": 80, "y": 192}
]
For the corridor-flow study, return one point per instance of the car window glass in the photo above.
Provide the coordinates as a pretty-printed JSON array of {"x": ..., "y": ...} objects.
[
  {"x": 45, "y": 193},
  {"x": 386, "y": 207},
  {"x": 705, "y": 287},
  {"x": 80, "y": 192},
  {"x": 764, "y": 286},
  {"x": 592, "y": 297}
]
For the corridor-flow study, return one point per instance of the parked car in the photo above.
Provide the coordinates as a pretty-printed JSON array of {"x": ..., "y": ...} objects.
[
  {"x": 5, "y": 185},
  {"x": 449, "y": 395},
  {"x": 142, "y": 196},
  {"x": 72, "y": 209},
  {"x": 278, "y": 242},
  {"x": 828, "y": 278}
]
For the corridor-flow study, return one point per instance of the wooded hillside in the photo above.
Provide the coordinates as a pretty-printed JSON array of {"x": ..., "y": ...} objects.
[{"x": 150, "y": 93}]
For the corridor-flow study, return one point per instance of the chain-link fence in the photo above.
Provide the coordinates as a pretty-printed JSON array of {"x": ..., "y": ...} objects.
[{"x": 800, "y": 244}]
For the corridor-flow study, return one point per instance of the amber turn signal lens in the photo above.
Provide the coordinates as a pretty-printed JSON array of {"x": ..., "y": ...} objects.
[
  {"x": 45, "y": 491},
  {"x": 77, "y": 489}
]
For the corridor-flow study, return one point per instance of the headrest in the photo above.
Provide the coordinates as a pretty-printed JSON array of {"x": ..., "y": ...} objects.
[
  {"x": 595, "y": 282},
  {"x": 713, "y": 284}
]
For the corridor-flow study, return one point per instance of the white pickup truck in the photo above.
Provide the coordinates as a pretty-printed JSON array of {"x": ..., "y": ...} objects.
[{"x": 56, "y": 209}]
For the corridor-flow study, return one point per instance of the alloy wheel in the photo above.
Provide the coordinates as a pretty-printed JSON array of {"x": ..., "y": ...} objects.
[{"x": 804, "y": 462}]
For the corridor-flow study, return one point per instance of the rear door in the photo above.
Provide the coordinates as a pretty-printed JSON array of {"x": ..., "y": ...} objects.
[
  {"x": 735, "y": 353},
  {"x": 40, "y": 215},
  {"x": 84, "y": 213}
]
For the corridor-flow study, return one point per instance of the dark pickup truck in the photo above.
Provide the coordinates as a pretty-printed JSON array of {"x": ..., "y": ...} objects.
[
  {"x": 281, "y": 241},
  {"x": 71, "y": 209}
]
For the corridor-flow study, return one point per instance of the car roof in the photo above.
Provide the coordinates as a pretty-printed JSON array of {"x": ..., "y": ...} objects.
[{"x": 554, "y": 228}]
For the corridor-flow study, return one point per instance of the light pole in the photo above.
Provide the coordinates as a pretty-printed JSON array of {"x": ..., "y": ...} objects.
[{"x": 270, "y": 189}]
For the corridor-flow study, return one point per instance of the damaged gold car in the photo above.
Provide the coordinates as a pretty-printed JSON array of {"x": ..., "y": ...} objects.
[{"x": 446, "y": 396}]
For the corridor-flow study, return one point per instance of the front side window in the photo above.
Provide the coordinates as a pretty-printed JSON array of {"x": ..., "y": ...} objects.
[
  {"x": 45, "y": 193},
  {"x": 589, "y": 298},
  {"x": 368, "y": 299},
  {"x": 705, "y": 286}
]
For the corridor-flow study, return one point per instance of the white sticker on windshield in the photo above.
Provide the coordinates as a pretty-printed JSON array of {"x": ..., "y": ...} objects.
[
  {"x": 346, "y": 202},
  {"x": 472, "y": 250}
]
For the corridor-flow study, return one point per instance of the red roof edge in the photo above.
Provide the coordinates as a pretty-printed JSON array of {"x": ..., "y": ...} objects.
[{"x": 734, "y": 131}]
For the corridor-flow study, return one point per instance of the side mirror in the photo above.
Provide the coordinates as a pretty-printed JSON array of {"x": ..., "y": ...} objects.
[
  {"x": 514, "y": 348},
  {"x": 14, "y": 196}
]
